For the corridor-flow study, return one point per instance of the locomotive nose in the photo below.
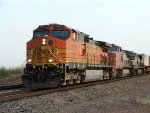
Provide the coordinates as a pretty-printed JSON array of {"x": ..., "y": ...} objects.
[{"x": 29, "y": 82}]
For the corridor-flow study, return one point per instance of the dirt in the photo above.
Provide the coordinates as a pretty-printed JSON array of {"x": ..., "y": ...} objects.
[{"x": 10, "y": 80}]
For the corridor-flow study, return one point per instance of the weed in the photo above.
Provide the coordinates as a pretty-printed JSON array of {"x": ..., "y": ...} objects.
[{"x": 4, "y": 71}]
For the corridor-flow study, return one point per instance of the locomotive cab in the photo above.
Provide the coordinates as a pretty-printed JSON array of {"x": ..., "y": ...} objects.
[{"x": 46, "y": 57}]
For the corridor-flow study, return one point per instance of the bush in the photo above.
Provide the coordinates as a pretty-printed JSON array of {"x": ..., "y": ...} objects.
[{"x": 11, "y": 71}]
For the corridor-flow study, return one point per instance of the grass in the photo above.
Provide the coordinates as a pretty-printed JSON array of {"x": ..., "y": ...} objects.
[{"x": 4, "y": 71}]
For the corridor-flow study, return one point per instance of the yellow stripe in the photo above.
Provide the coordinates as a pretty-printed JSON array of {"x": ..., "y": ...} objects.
[{"x": 59, "y": 51}]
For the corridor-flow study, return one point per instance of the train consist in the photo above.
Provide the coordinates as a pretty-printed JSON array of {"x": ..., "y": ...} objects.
[{"x": 59, "y": 55}]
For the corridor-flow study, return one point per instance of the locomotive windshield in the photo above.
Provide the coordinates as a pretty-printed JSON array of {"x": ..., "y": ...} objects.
[
  {"x": 61, "y": 34},
  {"x": 39, "y": 33}
]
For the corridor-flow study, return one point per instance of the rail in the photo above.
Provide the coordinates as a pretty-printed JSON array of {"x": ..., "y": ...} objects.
[{"x": 8, "y": 87}]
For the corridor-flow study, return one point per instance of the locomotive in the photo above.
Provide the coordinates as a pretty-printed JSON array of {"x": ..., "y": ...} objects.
[{"x": 59, "y": 55}]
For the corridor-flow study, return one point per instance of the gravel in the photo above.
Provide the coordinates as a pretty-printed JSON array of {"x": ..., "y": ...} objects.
[{"x": 131, "y": 95}]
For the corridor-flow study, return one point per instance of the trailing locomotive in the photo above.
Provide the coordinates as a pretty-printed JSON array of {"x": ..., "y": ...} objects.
[{"x": 59, "y": 55}]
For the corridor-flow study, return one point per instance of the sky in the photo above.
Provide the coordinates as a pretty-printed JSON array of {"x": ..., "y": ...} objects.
[{"x": 123, "y": 22}]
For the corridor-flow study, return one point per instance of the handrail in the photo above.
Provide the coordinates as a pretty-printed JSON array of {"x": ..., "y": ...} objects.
[
  {"x": 26, "y": 59},
  {"x": 57, "y": 57}
]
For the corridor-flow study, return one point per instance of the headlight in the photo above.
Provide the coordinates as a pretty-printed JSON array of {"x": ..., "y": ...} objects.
[
  {"x": 50, "y": 60},
  {"x": 29, "y": 60},
  {"x": 43, "y": 41}
]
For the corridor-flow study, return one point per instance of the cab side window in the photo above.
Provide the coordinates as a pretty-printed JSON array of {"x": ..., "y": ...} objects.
[{"x": 74, "y": 36}]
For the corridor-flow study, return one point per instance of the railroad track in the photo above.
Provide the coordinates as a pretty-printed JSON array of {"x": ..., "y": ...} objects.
[
  {"x": 9, "y": 87},
  {"x": 11, "y": 96}
]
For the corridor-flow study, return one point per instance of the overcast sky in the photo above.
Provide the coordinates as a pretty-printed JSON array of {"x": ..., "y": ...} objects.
[{"x": 122, "y": 22}]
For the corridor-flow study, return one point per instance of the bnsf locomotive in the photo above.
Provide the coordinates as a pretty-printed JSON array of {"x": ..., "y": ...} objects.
[{"x": 59, "y": 55}]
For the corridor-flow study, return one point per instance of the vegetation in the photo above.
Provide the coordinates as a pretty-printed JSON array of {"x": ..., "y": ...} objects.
[{"x": 4, "y": 71}]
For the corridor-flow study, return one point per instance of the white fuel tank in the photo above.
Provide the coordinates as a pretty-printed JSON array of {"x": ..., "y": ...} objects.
[{"x": 93, "y": 75}]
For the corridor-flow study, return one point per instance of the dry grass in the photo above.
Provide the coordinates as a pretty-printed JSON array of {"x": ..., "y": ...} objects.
[{"x": 4, "y": 71}]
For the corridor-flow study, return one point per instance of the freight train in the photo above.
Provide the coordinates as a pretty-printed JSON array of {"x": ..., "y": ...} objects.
[{"x": 59, "y": 55}]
